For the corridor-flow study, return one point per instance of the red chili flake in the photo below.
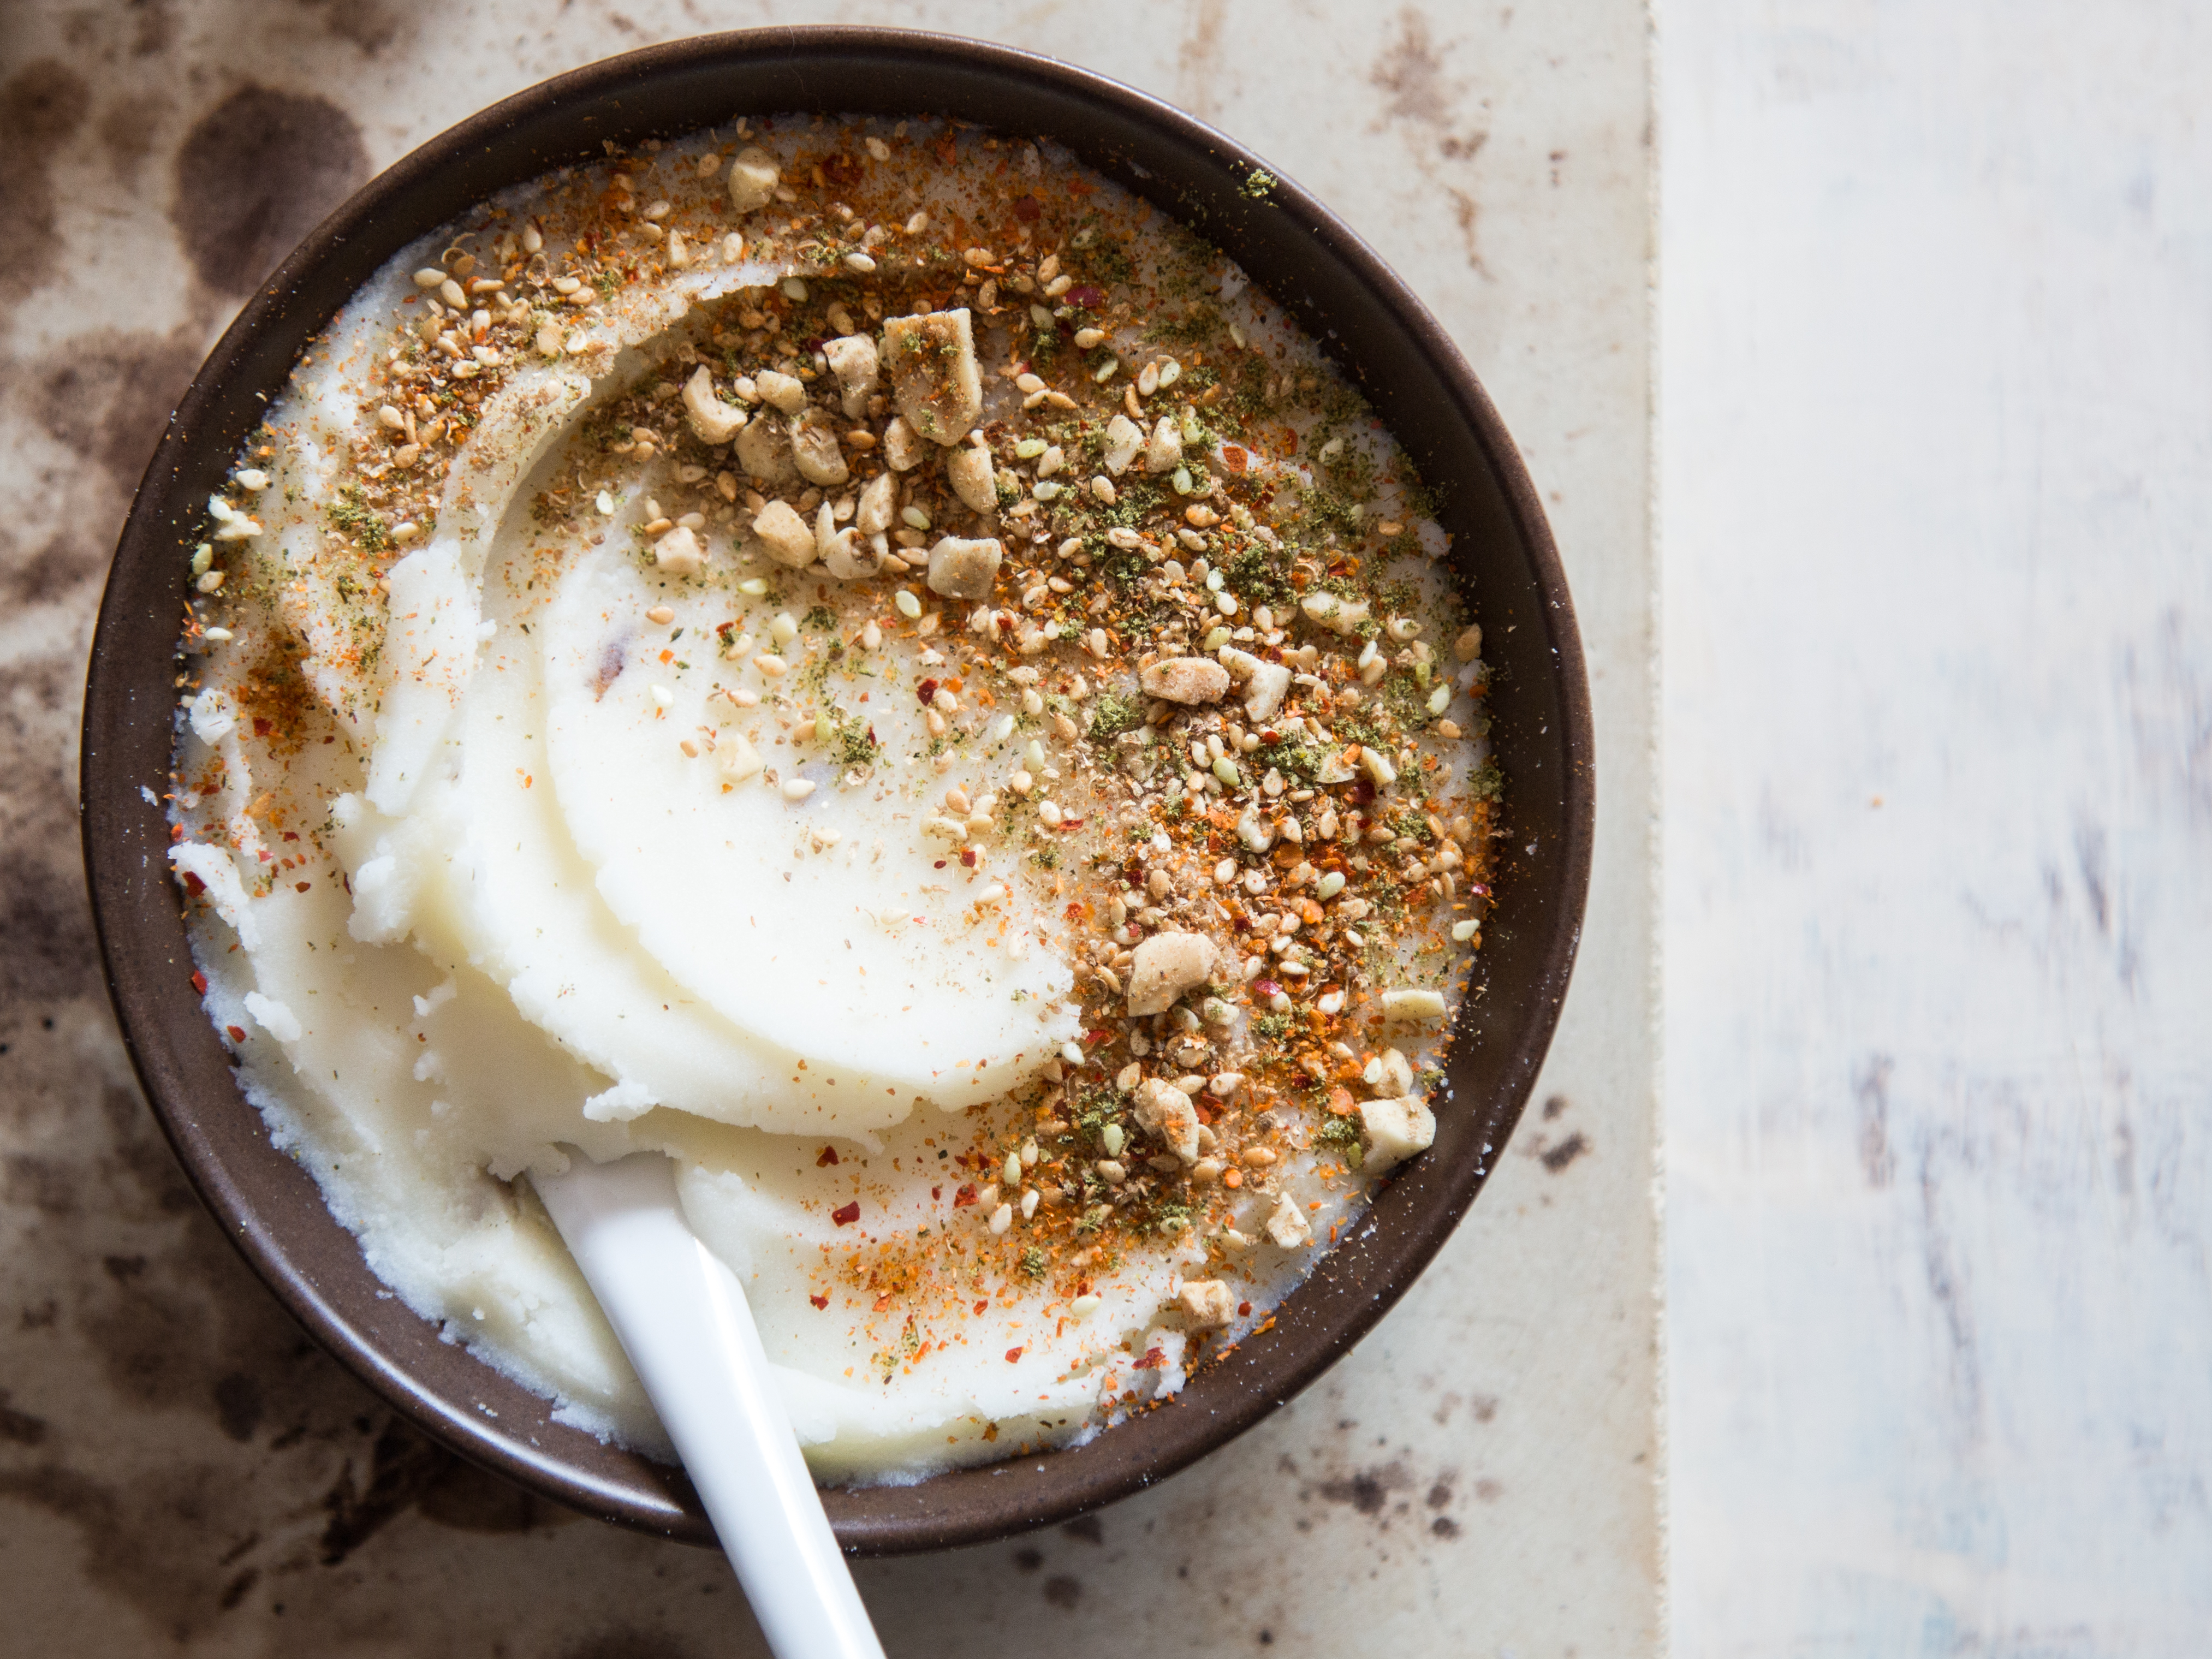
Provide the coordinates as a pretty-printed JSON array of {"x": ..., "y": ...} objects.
[
  {"x": 1085, "y": 295},
  {"x": 1077, "y": 911},
  {"x": 828, "y": 1157},
  {"x": 968, "y": 857},
  {"x": 301, "y": 886},
  {"x": 199, "y": 982},
  {"x": 263, "y": 855},
  {"x": 937, "y": 1192},
  {"x": 193, "y": 884},
  {"x": 982, "y": 1306},
  {"x": 1235, "y": 458},
  {"x": 290, "y": 834},
  {"x": 848, "y": 1215},
  {"x": 841, "y": 169},
  {"x": 1243, "y": 1311},
  {"x": 926, "y": 691},
  {"x": 262, "y": 727},
  {"x": 883, "y": 1303},
  {"x": 1026, "y": 209},
  {"x": 939, "y": 865},
  {"x": 1096, "y": 1036},
  {"x": 237, "y": 1033},
  {"x": 1012, "y": 1354},
  {"x": 176, "y": 832},
  {"x": 1340, "y": 1103},
  {"x": 823, "y": 1301},
  {"x": 1153, "y": 1359},
  {"x": 1362, "y": 792},
  {"x": 965, "y": 1196},
  {"x": 1267, "y": 987}
]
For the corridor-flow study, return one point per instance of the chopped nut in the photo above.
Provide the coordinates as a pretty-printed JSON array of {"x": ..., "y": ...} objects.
[
  {"x": 1288, "y": 1225},
  {"x": 1168, "y": 964},
  {"x": 786, "y": 393},
  {"x": 902, "y": 445},
  {"x": 933, "y": 373},
  {"x": 965, "y": 569},
  {"x": 878, "y": 497},
  {"x": 786, "y": 535},
  {"x": 753, "y": 179},
  {"x": 679, "y": 552},
  {"x": 1124, "y": 440},
  {"x": 972, "y": 477},
  {"x": 1187, "y": 680},
  {"x": 1413, "y": 1007},
  {"x": 1395, "y": 1129},
  {"x": 1207, "y": 1303},
  {"x": 1167, "y": 1112},
  {"x": 764, "y": 451},
  {"x": 814, "y": 446},
  {"x": 712, "y": 420},
  {"x": 853, "y": 360},
  {"x": 1164, "y": 452}
]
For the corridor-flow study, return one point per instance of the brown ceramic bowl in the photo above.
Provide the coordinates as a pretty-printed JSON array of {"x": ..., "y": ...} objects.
[{"x": 1293, "y": 247}]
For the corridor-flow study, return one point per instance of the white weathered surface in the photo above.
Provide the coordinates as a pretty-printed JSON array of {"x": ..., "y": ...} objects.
[
  {"x": 1936, "y": 478},
  {"x": 179, "y": 1470}
]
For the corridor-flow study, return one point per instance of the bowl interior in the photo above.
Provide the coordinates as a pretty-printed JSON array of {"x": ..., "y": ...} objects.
[{"x": 1341, "y": 293}]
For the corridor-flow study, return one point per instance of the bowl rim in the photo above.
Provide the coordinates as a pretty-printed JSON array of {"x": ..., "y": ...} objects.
[{"x": 959, "y": 1507}]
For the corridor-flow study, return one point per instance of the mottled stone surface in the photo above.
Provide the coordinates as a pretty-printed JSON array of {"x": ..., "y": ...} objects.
[
  {"x": 1938, "y": 898},
  {"x": 180, "y": 1471}
]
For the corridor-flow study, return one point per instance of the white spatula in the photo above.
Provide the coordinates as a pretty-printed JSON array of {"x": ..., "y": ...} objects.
[{"x": 682, "y": 1318}]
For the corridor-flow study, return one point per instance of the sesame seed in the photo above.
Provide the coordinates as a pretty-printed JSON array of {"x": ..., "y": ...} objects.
[{"x": 798, "y": 789}]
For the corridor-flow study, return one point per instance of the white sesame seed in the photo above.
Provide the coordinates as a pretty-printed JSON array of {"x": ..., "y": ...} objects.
[
  {"x": 797, "y": 789},
  {"x": 664, "y": 697}
]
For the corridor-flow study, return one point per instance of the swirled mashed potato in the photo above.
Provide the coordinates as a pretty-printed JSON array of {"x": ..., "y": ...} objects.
[{"x": 862, "y": 659}]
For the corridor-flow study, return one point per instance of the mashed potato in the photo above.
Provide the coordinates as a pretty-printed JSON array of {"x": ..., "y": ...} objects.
[{"x": 860, "y": 659}]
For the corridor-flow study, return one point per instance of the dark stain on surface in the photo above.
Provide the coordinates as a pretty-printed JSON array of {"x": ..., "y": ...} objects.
[
  {"x": 32, "y": 1181},
  {"x": 1369, "y": 1491},
  {"x": 408, "y": 1471},
  {"x": 44, "y": 914},
  {"x": 1554, "y": 1105},
  {"x": 106, "y": 395},
  {"x": 1871, "y": 1085},
  {"x": 1556, "y": 1158},
  {"x": 1412, "y": 71},
  {"x": 41, "y": 106},
  {"x": 402, "y": 1467},
  {"x": 1488, "y": 1491},
  {"x": 2089, "y": 854},
  {"x": 1063, "y": 1592},
  {"x": 254, "y": 175},
  {"x": 1421, "y": 96},
  {"x": 1086, "y": 1529},
  {"x": 1942, "y": 1273},
  {"x": 371, "y": 25},
  {"x": 1444, "y": 1527},
  {"x": 470, "y": 1499},
  {"x": 1027, "y": 1560},
  {"x": 19, "y": 1427},
  {"x": 238, "y": 1404}
]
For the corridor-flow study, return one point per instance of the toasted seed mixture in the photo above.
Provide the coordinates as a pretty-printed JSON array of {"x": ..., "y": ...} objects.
[{"x": 1015, "y": 454}]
